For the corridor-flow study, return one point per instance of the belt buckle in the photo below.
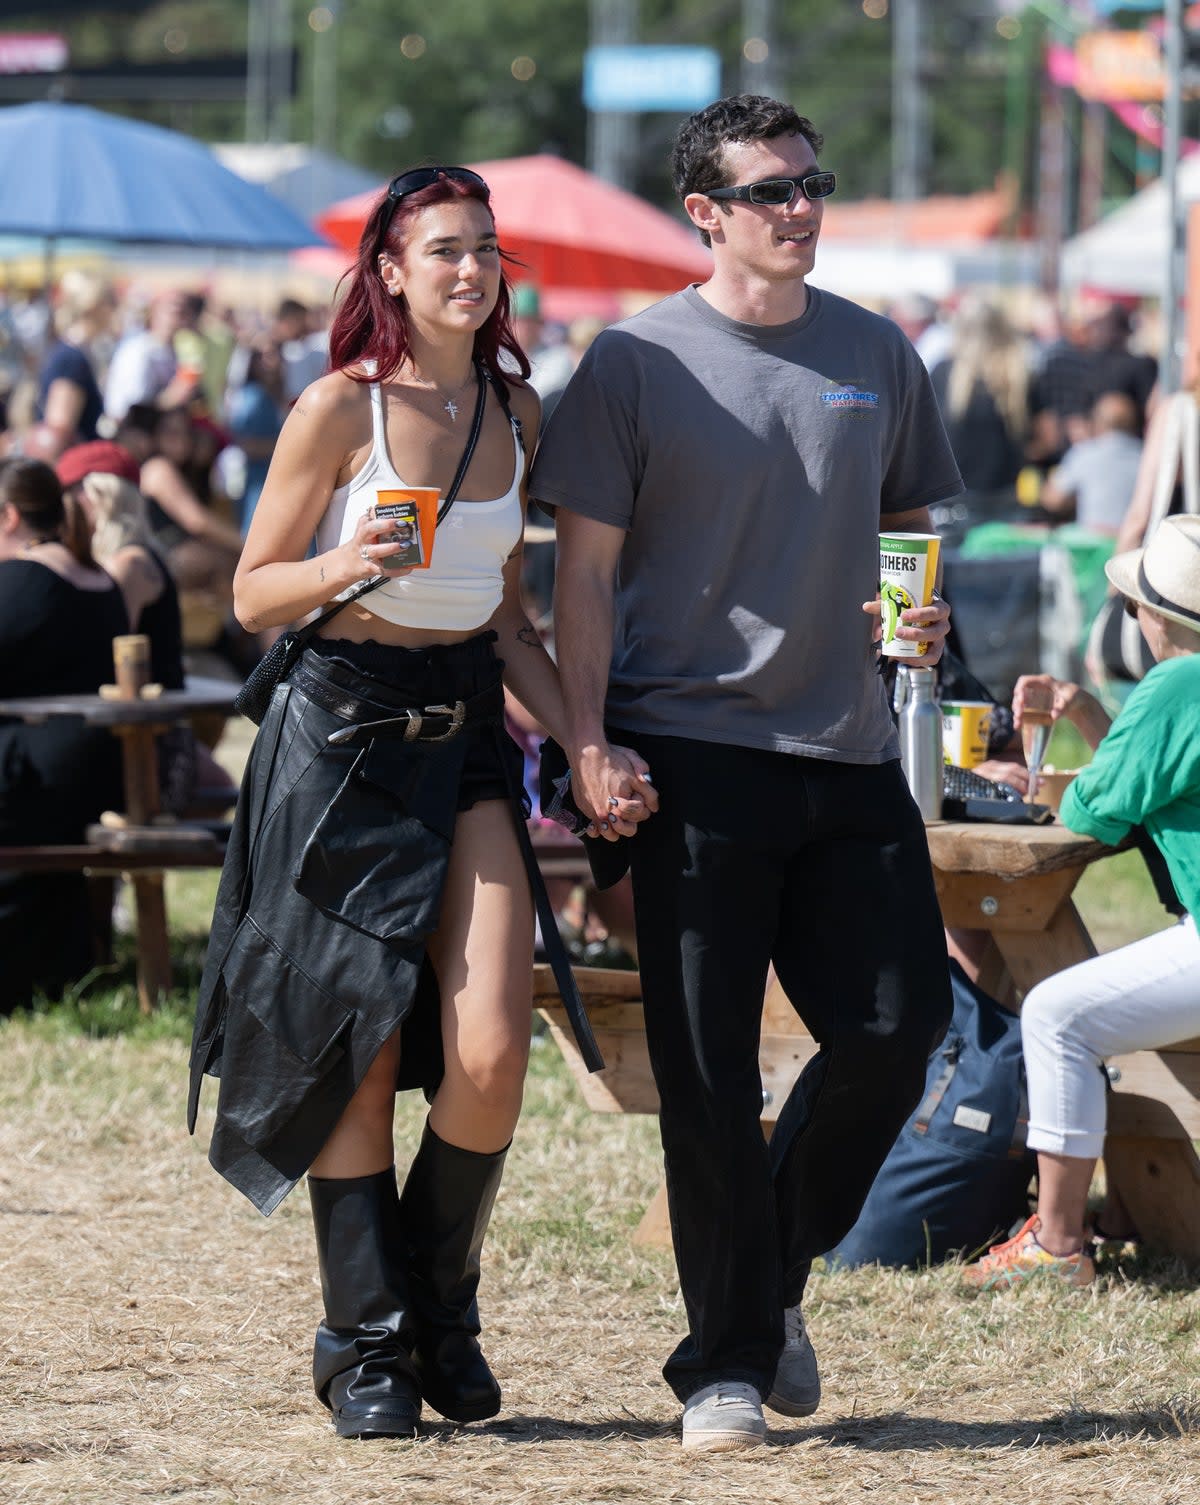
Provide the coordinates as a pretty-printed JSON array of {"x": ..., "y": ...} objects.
[
  {"x": 457, "y": 714},
  {"x": 413, "y": 730}
]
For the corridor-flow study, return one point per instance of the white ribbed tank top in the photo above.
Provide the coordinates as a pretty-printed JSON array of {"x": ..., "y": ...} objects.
[{"x": 464, "y": 583}]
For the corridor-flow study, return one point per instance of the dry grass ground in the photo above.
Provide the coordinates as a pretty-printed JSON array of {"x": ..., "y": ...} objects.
[{"x": 155, "y": 1332}]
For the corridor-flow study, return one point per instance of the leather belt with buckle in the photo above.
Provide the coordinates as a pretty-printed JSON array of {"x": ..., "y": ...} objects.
[{"x": 410, "y": 724}]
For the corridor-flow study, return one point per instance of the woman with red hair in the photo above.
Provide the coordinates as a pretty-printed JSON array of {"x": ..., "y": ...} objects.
[{"x": 374, "y": 927}]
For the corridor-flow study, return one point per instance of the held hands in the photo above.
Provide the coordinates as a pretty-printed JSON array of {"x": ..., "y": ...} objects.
[
  {"x": 613, "y": 788},
  {"x": 371, "y": 545},
  {"x": 918, "y": 624}
]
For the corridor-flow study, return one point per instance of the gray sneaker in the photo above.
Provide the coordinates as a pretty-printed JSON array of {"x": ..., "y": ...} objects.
[
  {"x": 797, "y": 1387},
  {"x": 723, "y": 1418}
]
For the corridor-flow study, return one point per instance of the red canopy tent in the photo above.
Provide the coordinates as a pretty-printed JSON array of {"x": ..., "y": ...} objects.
[{"x": 569, "y": 228}]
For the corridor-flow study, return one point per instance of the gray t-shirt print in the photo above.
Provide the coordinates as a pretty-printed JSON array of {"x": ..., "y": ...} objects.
[{"x": 752, "y": 468}]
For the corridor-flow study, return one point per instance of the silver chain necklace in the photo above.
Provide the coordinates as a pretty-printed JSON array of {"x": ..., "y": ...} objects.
[{"x": 449, "y": 406}]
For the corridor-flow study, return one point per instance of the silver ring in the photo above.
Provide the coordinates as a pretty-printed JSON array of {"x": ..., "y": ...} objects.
[{"x": 363, "y": 555}]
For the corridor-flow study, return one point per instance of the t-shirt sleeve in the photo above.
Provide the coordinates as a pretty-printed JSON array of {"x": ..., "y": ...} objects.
[
  {"x": 589, "y": 458},
  {"x": 64, "y": 363},
  {"x": 921, "y": 468},
  {"x": 1147, "y": 760},
  {"x": 1066, "y": 475}
]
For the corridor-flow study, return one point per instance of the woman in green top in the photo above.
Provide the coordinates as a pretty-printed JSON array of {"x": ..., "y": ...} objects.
[{"x": 1147, "y": 995}]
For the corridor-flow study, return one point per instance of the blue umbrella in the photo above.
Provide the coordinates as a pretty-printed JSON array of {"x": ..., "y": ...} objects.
[{"x": 69, "y": 172}]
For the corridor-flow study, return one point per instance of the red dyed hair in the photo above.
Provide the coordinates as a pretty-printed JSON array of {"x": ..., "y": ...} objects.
[{"x": 372, "y": 325}]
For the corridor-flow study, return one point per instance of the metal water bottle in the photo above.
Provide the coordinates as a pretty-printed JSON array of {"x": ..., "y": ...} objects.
[{"x": 921, "y": 739}]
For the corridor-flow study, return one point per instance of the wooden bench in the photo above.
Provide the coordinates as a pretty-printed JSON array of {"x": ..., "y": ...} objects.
[
  {"x": 141, "y": 854},
  {"x": 199, "y": 849},
  {"x": 1154, "y": 1110},
  {"x": 138, "y": 842},
  {"x": 626, "y": 1085}
]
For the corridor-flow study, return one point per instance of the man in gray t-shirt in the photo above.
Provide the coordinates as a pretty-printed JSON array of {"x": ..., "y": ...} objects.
[{"x": 721, "y": 466}]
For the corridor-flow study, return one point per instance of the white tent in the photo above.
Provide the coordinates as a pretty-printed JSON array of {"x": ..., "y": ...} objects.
[
  {"x": 307, "y": 180},
  {"x": 882, "y": 272},
  {"x": 1127, "y": 251}
]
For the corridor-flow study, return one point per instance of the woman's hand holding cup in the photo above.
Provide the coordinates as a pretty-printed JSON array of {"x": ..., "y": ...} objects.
[
  {"x": 1040, "y": 695},
  {"x": 372, "y": 544}
]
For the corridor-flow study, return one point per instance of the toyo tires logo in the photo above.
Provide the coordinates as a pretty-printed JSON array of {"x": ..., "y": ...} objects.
[{"x": 848, "y": 397}]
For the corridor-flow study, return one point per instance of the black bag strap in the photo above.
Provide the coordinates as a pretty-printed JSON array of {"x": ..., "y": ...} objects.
[
  {"x": 556, "y": 952},
  {"x": 472, "y": 438},
  {"x": 501, "y": 390},
  {"x": 365, "y": 587}
]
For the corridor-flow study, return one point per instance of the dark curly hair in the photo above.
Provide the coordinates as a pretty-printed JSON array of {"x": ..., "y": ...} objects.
[{"x": 698, "y": 156}]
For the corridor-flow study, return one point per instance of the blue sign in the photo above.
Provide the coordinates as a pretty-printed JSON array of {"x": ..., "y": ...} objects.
[{"x": 650, "y": 78}]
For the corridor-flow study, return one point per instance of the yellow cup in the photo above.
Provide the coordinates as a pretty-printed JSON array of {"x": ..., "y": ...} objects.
[
  {"x": 907, "y": 574},
  {"x": 965, "y": 727}
]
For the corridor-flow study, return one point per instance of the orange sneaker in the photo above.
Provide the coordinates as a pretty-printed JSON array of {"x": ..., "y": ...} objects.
[{"x": 1022, "y": 1257}]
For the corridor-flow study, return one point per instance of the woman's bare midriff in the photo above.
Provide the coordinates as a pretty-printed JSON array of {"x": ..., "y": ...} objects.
[{"x": 359, "y": 626}]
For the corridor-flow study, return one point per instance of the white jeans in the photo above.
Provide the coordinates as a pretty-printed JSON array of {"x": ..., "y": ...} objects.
[{"x": 1141, "y": 997}]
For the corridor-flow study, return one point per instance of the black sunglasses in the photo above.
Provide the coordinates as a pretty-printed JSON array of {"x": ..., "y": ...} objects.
[
  {"x": 816, "y": 185},
  {"x": 422, "y": 177}
]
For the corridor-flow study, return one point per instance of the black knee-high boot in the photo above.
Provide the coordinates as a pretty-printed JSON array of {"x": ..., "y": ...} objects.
[
  {"x": 445, "y": 1208},
  {"x": 362, "y": 1359}
]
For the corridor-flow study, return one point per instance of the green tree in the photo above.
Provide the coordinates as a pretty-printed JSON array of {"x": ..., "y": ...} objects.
[
  {"x": 464, "y": 80},
  {"x": 457, "y": 81}
]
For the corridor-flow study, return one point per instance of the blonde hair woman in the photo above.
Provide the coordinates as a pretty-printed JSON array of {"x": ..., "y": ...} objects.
[
  {"x": 109, "y": 524},
  {"x": 982, "y": 389}
]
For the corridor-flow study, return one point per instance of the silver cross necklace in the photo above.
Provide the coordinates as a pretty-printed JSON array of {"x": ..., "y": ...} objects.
[{"x": 449, "y": 406}]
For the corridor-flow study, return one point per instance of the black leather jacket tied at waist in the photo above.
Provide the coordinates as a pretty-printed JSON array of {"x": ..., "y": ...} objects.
[{"x": 332, "y": 885}]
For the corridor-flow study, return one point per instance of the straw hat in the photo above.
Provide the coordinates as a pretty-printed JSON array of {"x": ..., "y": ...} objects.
[{"x": 1165, "y": 575}]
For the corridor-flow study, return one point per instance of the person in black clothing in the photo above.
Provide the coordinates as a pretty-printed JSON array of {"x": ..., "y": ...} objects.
[
  {"x": 1076, "y": 372},
  {"x": 982, "y": 389},
  {"x": 374, "y": 924},
  {"x": 57, "y": 622}
]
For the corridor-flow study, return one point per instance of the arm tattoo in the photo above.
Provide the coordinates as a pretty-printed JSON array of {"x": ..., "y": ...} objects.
[
  {"x": 322, "y": 569},
  {"x": 528, "y": 636}
]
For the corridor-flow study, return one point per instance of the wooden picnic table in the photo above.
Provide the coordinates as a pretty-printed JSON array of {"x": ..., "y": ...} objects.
[
  {"x": 135, "y": 842},
  {"x": 1015, "y": 883}
]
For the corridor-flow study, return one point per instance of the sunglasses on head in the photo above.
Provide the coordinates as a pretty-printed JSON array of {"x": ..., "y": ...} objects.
[
  {"x": 814, "y": 185},
  {"x": 422, "y": 177}
]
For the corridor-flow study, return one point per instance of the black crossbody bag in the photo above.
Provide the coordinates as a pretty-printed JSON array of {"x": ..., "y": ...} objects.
[{"x": 277, "y": 663}]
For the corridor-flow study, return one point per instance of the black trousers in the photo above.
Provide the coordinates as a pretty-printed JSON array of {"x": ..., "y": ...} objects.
[{"x": 823, "y": 869}]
